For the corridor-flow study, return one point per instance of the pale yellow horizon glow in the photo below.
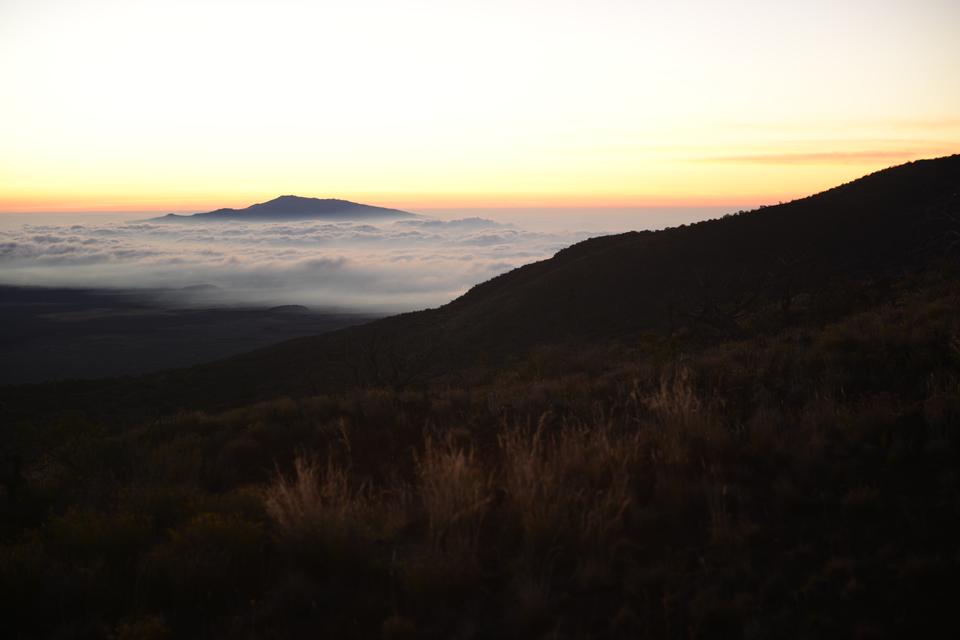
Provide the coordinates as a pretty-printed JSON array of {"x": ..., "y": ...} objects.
[{"x": 187, "y": 105}]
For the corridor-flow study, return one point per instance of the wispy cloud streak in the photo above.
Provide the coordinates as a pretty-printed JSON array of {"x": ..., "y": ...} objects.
[{"x": 868, "y": 156}]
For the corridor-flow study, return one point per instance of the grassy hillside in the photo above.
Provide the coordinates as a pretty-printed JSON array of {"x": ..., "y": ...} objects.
[{"x": 802, "y": 484}]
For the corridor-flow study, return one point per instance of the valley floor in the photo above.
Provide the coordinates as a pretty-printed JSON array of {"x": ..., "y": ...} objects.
[{"x": 61, "y": 334}]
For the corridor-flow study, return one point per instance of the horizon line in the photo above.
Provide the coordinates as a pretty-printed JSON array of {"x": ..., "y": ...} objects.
[
  {"x": 191, "y": 204},
  {"x": 101, "y": 207}
]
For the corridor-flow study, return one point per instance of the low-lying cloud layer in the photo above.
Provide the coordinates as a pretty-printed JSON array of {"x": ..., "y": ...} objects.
[{"x": 389, "y": 266}]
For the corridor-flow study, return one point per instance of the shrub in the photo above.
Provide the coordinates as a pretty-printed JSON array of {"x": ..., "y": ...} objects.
[
  {"x": 91, "y": 536},
  {"x": 29, "y": 581},
  {"x": 148, "y": 627},
  {"x": 209, "y": 562}
]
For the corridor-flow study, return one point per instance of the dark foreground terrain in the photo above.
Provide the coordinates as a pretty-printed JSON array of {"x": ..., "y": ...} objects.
[
  {"x": 747, "y": 428},
  {"x": 58, "y": 334}
]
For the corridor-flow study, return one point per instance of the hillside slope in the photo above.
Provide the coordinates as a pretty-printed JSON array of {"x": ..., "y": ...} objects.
[
  {"x": 795, "y": 484},
  {"x": 607, "y": 286},
  {"x": 708, "y": 277},
  {"x": 714, "y": 280}
]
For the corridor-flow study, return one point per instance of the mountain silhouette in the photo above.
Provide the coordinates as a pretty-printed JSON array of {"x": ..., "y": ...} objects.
[{"x": 287, "y": 208}]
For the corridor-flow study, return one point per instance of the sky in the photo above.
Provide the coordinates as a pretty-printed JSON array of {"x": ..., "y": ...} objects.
[{"x": 188, "y": 105}]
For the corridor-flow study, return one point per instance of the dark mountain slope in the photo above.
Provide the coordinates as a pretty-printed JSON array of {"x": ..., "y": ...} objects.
[
  {"x": 880, "y": 224},
  {"x": 714, "y": 280},
  {"x": 288, "y": 208},
  {"x": 710, "y": 276}
]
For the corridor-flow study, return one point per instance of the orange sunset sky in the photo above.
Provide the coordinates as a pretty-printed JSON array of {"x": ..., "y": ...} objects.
[{"x": 191, "y": 105}]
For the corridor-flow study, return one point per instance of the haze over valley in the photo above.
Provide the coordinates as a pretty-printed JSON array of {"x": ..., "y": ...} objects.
[
  {"x": 369, "y": 265},
  {"x": 94, "y": 295}
]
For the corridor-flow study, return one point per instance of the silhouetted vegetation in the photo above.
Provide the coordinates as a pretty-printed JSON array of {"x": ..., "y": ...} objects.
[{"x": 788, "y": 468}]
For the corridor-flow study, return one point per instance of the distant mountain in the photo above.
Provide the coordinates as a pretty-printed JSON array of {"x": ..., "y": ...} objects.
[{"x": 288, "y": 208}]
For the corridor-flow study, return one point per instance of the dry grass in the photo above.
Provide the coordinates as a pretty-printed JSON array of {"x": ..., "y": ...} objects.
[
  {"x": 574, "y": 482},
  {"x": 686, "y": 423},
  {"x": 318, "y": 504},
  {"x": 676, "y": 400},
  {"x": 455, "y": 493}
]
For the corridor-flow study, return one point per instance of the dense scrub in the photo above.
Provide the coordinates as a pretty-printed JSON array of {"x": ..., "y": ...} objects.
[{"x": 801, "y": 483}]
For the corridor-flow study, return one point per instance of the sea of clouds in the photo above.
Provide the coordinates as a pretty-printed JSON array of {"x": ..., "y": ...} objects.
[{"x": 382, "y": 266}]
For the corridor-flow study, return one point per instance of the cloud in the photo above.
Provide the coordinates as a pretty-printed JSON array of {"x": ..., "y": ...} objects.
[
  {"x": 459, "y": 224},
  {"x": 376, "y": 267},
  {"x": 829, "y": 157}
]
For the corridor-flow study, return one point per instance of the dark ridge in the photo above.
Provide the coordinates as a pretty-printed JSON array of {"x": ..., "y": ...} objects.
[{"x": 289, "y": 308}]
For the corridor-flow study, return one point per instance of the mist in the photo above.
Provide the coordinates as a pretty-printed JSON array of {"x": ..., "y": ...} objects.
[{"x": 373, "y": 267}]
